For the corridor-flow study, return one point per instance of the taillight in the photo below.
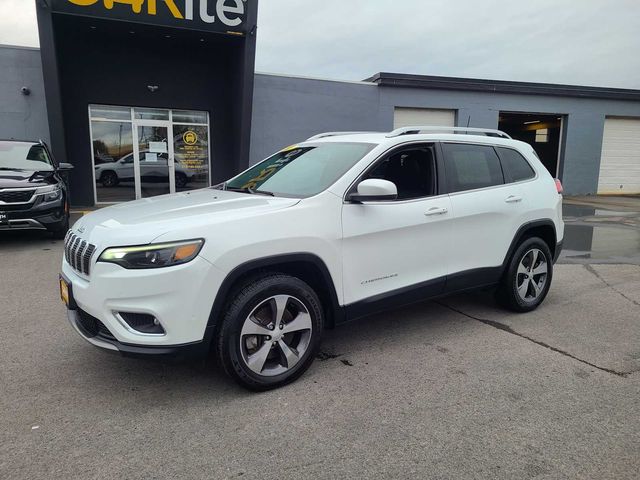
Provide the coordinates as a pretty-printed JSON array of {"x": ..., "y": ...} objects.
[{"x": 559, "y": 185}]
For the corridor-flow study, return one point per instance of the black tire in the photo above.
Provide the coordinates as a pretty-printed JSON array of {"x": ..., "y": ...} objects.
[
  {"x": 244, "y": 301},
  {"x": 109, "y": 179},
  {"x": 181, "y": 180},
  {"x": 508, "y": 293}
]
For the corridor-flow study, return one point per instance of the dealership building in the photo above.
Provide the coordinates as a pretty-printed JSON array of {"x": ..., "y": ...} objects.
[{"x": 146, "y": 97}]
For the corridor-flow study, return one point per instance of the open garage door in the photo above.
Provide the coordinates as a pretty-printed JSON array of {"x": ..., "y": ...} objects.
[
  {"x": 542, "y": 131},
  {"x": 406, "y": 117},
  {"x": 620, "y": 160}
]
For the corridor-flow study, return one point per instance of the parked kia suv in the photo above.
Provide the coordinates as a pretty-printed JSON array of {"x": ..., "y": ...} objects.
[
  {"x": 33, "y": 194},
  {"x": 327, "y": 230}
]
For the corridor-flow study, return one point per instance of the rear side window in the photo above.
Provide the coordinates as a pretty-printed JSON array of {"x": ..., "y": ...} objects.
[
  {"x": 469, "y": 167},
  {"x": 516, "y": 168}
]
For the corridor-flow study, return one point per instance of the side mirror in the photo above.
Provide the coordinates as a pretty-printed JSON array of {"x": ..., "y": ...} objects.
[
  {"x": 374, "y": 189},
  {"x": 65, "y": 166}
]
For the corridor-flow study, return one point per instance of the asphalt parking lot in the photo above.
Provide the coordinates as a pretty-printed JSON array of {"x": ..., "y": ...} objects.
[{"x": 451, "y": 389}]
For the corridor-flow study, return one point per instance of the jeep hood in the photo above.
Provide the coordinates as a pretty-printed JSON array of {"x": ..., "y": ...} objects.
[{"x": 142, "y": 221}]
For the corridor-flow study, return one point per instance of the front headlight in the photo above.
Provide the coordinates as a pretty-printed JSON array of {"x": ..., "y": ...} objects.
[
  {"x": 50, "y": 193},
  {"x": 156, "y": 255}
]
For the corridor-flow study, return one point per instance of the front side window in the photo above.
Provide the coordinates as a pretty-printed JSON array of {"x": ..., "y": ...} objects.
[
  {"x": 470, "y": 167},
  {"x": 515, "y": 165},
  {"x": 412, "y": 170},
  {"x": 301, "y": 171},
  {"x": 24, "y": 156}
]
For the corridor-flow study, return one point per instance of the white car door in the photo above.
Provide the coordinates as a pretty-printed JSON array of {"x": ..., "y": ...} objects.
[
  {"x": 397, "y": 251},
  {"x": 124, "y": 169},
  {"x": 487, "y": 213}
]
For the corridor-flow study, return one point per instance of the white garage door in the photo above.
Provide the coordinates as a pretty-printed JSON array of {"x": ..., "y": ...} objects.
[
  {"x": 406, "y": 117},
  {"x": 620, "y": 161}
]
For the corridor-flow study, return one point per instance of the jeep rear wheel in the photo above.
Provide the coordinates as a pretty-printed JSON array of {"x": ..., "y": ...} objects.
[
  {"x": 528, "y": 277},
  {"x": 270, "y": 331},
  {"x": 181, "y": 180}
]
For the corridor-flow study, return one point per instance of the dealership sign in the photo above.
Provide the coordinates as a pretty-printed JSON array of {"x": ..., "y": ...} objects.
[{"x": 226, "y": 16}]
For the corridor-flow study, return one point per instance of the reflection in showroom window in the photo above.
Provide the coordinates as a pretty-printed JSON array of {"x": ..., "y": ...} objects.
[{"x": 113, "y": 159}]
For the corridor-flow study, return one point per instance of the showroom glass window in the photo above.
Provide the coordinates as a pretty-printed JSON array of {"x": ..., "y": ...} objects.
[{"x": 131, "y": 163}]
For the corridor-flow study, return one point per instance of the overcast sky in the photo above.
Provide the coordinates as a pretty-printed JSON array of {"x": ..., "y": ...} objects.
[{"x": 584, "y": 42}]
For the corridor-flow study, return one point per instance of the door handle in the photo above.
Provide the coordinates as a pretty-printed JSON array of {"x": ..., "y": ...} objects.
[
  {"x": 436, "y": 211},
  {"x": 513, "y": 199}
]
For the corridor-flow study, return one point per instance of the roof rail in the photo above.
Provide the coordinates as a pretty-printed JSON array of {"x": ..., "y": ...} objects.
[
  {"x": 334, "y": 134},
  {"x": 414, "y": 130}
]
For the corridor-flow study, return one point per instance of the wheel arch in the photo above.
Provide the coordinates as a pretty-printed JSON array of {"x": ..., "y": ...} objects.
[
  {"x": 544, "y": 228},
  {"x": 306, "y": 266}
]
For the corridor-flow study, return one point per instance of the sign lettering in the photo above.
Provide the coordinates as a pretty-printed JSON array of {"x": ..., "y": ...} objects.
[{"x": 216, "y": 15}]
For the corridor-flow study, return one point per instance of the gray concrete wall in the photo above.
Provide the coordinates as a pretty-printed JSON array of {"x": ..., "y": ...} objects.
[
  {"x": 584, "y": 125},
  {"x": 22, "y": 116},
  {"x": 289, "y": 109}
]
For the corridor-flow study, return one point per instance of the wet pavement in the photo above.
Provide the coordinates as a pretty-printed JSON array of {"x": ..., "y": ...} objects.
[{"x": 601, "y": 230}]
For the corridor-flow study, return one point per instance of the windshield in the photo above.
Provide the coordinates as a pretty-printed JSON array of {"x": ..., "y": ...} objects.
[
  {"x": 24, "y": 156},
  {"x": 301, "y": 171}
]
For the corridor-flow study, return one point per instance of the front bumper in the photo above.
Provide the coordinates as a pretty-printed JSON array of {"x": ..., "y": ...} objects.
[
  {"x": 37, "y": 215},
  {"x": 180, "y": 298},
  {"x": 102, "y": 338}
]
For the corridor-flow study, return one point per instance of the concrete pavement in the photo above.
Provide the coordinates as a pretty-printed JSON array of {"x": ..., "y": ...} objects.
[{"x": 452, "y": 389}]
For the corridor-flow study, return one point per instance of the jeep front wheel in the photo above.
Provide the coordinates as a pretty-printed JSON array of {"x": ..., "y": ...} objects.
[
  {"x": 270, "y": 331},
  {"x": 109, "y": 179}
]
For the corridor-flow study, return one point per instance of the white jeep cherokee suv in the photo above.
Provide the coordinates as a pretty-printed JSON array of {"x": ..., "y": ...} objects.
[{"x": 327, "y": 230}]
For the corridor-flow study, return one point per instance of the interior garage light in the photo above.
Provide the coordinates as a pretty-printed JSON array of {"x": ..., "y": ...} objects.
[{"x": 533, "y": 121}]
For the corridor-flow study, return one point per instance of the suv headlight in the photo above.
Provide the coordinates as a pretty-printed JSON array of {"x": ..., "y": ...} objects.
[
  {"x": 156, "y": 255},
  {"x": 50, "y": 193}
]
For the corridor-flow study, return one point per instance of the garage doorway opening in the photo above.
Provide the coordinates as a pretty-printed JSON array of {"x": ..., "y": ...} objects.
[{"x": 542, "y": 131}]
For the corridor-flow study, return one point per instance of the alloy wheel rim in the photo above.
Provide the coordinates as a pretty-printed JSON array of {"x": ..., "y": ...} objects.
[
  {"x": 531, "y": 276},
  {"x": 108, "y": 180},
  {"x": 275, "y": 335}
]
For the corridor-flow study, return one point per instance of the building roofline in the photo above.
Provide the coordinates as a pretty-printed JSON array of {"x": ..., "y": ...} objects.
[
  {"x": 321, "y": 79},
  {"x": 386, "y": 79}
]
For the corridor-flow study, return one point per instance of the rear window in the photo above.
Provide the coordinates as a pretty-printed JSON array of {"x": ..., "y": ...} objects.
[
  {"x": 470, "y": 167},
  {"x": 516, "y": 168}
]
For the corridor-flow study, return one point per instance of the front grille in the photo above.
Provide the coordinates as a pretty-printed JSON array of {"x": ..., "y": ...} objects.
[
  {"x": 78, "y": 253},
  {"x": 92, "y": 327},
  {"x": 26, "y": 207},
  {"x": 16, "y": 196}
]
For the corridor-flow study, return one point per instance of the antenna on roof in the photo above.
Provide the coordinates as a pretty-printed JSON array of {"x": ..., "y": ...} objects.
[{"x": 468, "y": 121}]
